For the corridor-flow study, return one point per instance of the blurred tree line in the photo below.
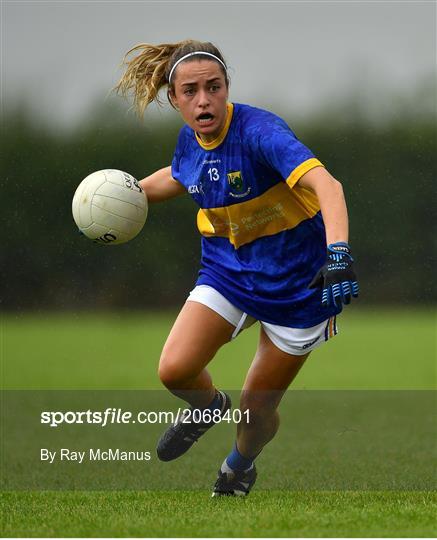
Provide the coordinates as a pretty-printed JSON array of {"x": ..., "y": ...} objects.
[{"x": 388, "y": 170}]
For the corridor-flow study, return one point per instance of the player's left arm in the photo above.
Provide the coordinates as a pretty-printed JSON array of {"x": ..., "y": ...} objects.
[
  {"x": 336, "y": 277},
  {"x": 329, "y": 191}
]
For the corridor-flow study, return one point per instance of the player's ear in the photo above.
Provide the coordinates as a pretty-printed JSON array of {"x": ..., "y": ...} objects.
[
  {"x": 172, "y": 98},
  {"x": 227, "y": 89}
]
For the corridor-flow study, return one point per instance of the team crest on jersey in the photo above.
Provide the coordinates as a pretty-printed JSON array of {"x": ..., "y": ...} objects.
[{"x": 236, "y": 184}]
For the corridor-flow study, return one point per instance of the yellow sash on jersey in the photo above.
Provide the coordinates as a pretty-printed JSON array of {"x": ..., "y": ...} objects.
[{"x": 278, "y": 209}]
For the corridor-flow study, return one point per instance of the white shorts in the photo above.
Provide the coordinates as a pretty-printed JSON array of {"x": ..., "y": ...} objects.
[{"x": 297, "y": 341}]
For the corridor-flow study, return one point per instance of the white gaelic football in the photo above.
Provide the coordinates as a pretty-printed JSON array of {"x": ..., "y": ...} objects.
[{"x": 109, "y": 207}]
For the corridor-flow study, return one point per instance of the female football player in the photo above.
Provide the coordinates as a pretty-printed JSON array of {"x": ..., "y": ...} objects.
[{"x": 274, "y": 230}]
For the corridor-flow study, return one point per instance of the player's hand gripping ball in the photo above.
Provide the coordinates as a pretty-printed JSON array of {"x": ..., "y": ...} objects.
[
  {"x": 337, "y": 277},
  {"x": 109, "y": 207}
]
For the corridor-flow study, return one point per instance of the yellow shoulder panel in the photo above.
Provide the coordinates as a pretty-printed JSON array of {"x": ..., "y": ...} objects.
[{"x": 302, "y": 169}]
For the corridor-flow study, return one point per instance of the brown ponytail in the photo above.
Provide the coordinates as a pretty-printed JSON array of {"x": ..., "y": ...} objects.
[{"x": 148, "y": 71}]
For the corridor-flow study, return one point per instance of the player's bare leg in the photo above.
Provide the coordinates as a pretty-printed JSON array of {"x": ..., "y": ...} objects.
[
  {"x": 269, "y": 376},
  {"x": 196, "y": 336}
]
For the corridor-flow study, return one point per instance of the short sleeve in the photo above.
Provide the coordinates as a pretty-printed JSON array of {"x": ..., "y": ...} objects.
[
  {"x": 175, "y": 172},
  {"x": 279, "y": 148},
  {"x": 179, "y": 150}
]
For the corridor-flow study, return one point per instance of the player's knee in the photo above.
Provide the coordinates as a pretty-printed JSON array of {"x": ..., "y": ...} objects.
[
  {"x": 172, "y": 372},
  {"x": 260, "y": 408},
  {"x": 169, "y": 374}
]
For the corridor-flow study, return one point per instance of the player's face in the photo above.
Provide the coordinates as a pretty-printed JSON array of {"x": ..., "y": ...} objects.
[{"x": 201, "y": 94}]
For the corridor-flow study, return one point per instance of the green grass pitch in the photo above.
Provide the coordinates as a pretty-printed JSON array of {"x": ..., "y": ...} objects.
[{"x": 377, "y": 349}]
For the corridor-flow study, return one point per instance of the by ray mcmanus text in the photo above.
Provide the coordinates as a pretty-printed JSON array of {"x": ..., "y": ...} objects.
[{"x": 93, "y": 454}]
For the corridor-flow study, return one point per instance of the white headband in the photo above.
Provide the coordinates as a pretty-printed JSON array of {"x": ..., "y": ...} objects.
[{"x": 192, "y": 54}]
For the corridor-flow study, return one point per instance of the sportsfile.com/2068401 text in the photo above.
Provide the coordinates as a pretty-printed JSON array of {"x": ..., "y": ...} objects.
[{"x": 113, "y": 415}]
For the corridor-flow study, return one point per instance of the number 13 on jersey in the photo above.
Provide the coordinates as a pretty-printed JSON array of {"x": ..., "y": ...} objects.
[{"x": 213, "y": 174}]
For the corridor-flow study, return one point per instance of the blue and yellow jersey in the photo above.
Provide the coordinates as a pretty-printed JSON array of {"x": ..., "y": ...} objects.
[{"x": 263, "y": 237}]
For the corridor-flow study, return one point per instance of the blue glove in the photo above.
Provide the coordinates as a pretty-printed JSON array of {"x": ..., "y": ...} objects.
[{"x": 337, "y": 276}]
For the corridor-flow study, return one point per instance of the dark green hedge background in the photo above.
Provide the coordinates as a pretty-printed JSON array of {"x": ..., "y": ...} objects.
[{"x": 388, "y": 170}]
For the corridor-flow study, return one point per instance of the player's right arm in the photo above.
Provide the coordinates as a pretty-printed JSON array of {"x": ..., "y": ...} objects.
[{"x": 161, "y": 186}]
